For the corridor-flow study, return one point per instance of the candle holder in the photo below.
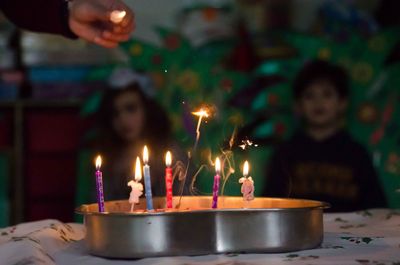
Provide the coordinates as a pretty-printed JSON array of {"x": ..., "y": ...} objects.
[{"x": 267, "y": 225}]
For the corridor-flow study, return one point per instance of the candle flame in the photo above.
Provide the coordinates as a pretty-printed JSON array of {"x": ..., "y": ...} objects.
[
  {"x": 201, "y": 113},
  {"x": 217, "y": 165},
  {"x": 98, "y": 162},
  {"x": 138, "y": 170},
  {"x": 145, "y": 155},
  {"x": 246, "y": 168},
  {"x": 168, "y": 159}
]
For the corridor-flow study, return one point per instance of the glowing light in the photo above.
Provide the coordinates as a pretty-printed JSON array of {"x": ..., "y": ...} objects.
[
  {"x": 217, "y": 165},
  {"x": 246, "y": 168},
  {"x": 168, "y": 159},
  {"x": 247, "y": 143},
  {"x": 138, "y": 170},
  {"x": 98, "y": 162},
  {"x": 117, "y": 16},
  {"x": 201, "y": 113},
  {"x": 145, "y": 155}
]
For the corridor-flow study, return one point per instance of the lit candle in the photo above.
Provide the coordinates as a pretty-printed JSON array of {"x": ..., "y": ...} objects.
[
  {"x": 168, "y": 179},
  {"x": 247, "y": 182},
  {"x": 117, "y": 16},
  {"x": 99, "y": 185},
  {"x": 137, "y": 187},
  {"x": 217, "y": 178},
  {"x": 147, "y": 180}
]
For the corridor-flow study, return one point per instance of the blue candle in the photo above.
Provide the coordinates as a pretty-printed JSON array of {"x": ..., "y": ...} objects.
[{"x": 147, "y": 180}]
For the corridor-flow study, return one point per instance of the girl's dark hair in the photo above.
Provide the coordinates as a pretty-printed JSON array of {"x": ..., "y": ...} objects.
[
  {"x": 157, "y": 124},
  {"x": 321, "y": 71}
]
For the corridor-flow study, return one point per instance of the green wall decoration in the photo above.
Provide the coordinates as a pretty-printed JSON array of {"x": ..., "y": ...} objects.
[{"x": 258, "y": 105}]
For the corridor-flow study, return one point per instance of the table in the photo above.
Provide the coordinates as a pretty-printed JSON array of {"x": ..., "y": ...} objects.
[{"x": 362, "y": 238}]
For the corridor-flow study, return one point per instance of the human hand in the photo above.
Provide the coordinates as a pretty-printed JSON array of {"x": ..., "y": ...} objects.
[{"x": 91, "y": 20}]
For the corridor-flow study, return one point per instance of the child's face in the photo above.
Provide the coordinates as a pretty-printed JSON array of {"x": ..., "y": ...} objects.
[
  {"x": 129, "y": 116},
  {"x": 320, "y": 104}
]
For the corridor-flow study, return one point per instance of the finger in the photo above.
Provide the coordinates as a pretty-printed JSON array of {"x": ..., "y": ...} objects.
[
  {"x": 105, "y": 42},
  {"x": 92, "y": 34},
  {"x": 128, "y": 19},
  {"x": 117, "y": 29},
  {"x": 124, "y": 30},
  {"x": 115, "y": 37}
]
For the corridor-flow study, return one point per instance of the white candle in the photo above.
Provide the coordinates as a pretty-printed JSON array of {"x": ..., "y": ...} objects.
[
  {"x": 137, "y": 187},
  {"x": 247, "y": 182}
]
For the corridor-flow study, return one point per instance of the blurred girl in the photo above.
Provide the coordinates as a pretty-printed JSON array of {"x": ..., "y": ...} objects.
[{"x": 127, "y": 120}]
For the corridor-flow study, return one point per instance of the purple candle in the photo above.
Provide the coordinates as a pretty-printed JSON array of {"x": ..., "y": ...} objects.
[
  {"x": 217, "y": 178},
  {"x": 99, "y": 185}
]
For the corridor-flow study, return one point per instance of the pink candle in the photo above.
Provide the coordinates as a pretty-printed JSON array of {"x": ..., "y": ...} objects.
[
  {"x": 168, "y": 179},
  {"x": 217, "y": 178},
  {"x": 99, "y": 185}
]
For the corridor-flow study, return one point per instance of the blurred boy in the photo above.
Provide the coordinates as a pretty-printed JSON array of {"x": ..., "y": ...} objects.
[{"x": 321, "y": 161}]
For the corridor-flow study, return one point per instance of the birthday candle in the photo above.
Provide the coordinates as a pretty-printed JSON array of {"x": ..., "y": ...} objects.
[
  {"x": 99, "y": 185},
  {"x": 168, "y": 179},
  {"x": 247, "y": 182},
  {"x": 137, "y": 187},
  {"x": 147, "y": 180},
  {"x": 217, "y": 178}
]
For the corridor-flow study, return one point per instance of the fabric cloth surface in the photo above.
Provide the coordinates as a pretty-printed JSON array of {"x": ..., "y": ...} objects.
[{"x": 360, "y": 238}]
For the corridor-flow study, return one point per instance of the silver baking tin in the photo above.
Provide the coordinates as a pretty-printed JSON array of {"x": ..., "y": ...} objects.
[{"x": 265, "y": 225}]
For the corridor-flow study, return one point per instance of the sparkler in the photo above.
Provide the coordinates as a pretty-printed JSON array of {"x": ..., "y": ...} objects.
[{"x": 201, "y": 114}]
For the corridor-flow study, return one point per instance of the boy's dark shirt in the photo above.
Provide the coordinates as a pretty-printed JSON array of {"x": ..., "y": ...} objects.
[{"x": 336, "y": 170}]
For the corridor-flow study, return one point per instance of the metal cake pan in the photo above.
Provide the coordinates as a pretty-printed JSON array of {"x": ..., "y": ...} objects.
[{"x": 267, "y": 225}]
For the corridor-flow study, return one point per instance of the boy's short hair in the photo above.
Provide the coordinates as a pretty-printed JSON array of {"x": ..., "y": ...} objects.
[{"x": 318, "y": 70}]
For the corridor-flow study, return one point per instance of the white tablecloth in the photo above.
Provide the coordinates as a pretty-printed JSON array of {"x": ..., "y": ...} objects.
[{"x": 362, "y": 238}]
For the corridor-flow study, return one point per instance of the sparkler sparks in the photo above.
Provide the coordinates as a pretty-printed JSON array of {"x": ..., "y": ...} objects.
[
  {"x": 201, "y": 113},
  {"x": 247, "y": 143}
]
